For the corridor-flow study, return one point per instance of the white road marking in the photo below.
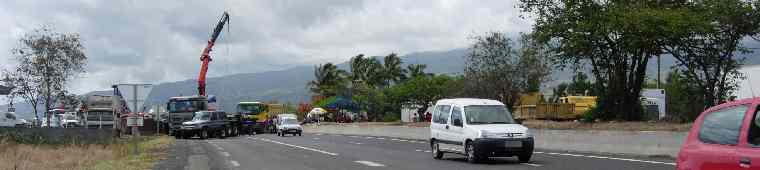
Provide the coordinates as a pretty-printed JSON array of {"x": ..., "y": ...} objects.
[
  {"x": 381, "y": 138},
  {"x": 234, "y": 163},
  {"x": 418, "y": 150},
  {"x": 395, "y": 139},
  {"x": 226, "y": 154},
  {"x": 370, "y": 137},
  {"x": 427, "y": 151},
  {"x": 301, "y": 147},
  {"x": 403, "y": 140},
  {"x": 610, "y": 158},
  {"x": 530, "y": 164},
  {"x": 318, "y": 134},
  {"x": 369, "y": 163},
  {"x": 316, "y": 138}
]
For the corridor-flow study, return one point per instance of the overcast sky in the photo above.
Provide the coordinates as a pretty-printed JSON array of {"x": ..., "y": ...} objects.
[{"x": 130, "y": 41}]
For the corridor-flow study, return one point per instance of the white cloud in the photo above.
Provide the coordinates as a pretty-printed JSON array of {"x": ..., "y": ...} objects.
[{"x": 159, "y": 41}]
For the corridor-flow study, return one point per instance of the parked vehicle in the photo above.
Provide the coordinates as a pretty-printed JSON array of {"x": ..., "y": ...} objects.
[
  {"x": 288, "y": 124},
  {"x": 726, "y": 136},
  {"x": 205, "y": 124},
  {"x": 478, "y": 129},
  {"x": 69, "y": 120},
  {"x": 97, "y": 111},
  {"x": 182, "y": 109}
]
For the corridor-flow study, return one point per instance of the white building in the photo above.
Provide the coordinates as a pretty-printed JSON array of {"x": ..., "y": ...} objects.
[{"x": 749, "y": 87}]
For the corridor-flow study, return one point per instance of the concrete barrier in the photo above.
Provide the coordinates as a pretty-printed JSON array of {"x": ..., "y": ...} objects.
[
  {"x": 647, "y": 143},
  {"x": 59, "y": 135}
]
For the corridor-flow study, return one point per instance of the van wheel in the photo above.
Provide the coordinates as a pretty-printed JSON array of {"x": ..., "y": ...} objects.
[
  {"x": 299, "y": 134},
  {"x": 472, "y": 156},
  {"x": 437, "y": 154},
  {"x": 524, "y": 157}
]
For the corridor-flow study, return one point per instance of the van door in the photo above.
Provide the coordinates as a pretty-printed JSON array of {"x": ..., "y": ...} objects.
[
  {"x": 439, "y": 122},
  {"x": 457, "y": 125},
  {"x": 749, "y": 150}
]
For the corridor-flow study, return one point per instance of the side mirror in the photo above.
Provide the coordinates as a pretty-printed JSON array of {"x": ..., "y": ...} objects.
[{"x": 457, "y": 122}]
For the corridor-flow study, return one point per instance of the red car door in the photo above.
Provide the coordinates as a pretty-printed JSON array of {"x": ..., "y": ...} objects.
[
  {"x": 749, "y": 150},
  {"x": 714, "y": 142}
]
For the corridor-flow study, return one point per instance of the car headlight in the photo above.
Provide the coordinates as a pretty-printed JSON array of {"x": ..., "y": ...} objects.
[
  {"x": 528, "y": 133},
  {"x": 486, "y": 134}
]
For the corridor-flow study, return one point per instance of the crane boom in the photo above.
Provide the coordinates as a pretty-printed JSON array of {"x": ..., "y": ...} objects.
[{"x": 205, "y": 57}]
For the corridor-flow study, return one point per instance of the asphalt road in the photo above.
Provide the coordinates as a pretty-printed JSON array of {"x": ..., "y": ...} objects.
[{"x": 335, "y": 152}]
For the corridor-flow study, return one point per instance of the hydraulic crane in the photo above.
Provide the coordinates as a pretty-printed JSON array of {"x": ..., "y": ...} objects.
[{"x": 205, "y": 57}]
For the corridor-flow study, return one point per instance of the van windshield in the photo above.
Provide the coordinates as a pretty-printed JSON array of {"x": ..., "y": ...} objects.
[{"x": 487, "y": 114}]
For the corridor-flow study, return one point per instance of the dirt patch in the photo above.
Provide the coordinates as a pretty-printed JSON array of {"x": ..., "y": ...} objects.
[
  {"x": 620, "y": 126},
  {"x": 133, "y": 154}
]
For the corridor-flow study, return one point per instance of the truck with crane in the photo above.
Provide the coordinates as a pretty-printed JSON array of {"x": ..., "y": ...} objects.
[{"x": 181, "y": 109}]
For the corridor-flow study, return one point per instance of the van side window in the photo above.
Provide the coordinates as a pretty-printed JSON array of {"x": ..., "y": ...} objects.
[
  {"x": 456, "y": 114},
  {"x": 443, "y": 114},
  {"x": 722, "y": 126}
]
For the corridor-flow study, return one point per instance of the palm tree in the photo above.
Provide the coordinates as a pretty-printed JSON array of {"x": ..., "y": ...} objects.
[
  {"x": 416, "y": 70},
  {"x": 392, "y": 70},
  {"x": 328, "y": 80}
]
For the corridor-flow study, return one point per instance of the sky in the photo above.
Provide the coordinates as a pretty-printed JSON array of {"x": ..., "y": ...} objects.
[{"x": 131, "y": 41}]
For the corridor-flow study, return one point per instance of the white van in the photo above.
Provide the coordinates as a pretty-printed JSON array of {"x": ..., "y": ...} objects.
[
  {"x": 288, "y": 124},
  {"x": 478, "y": 129}
]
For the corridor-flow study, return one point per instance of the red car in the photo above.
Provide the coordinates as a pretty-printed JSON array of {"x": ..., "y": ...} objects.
[{"x": 724, "y": 137}]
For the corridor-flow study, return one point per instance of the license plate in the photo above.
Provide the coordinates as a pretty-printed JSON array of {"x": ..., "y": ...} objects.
[{"x": 513, "y": 144}]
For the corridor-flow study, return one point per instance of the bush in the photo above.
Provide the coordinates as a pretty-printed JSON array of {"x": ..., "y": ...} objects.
[
  {"x": 591, "y": 115},
  {"x": 391, "y": 117}
]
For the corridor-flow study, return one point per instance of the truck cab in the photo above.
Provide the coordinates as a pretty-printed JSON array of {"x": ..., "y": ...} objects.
[{"x": 182, "y": 109}]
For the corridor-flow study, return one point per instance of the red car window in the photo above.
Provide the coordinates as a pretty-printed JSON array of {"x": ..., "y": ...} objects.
[
  {"x": 723, "y": 126},
  {"x": 753, "y": 138}
]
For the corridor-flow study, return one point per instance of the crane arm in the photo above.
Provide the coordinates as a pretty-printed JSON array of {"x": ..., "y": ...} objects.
[{"x": 205, "y": 57}]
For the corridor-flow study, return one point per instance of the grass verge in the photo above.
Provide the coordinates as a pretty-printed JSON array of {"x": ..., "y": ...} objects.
[{"x": 134, "y": 153}]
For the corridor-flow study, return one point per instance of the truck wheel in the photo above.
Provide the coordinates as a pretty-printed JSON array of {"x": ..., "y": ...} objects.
[
  {"x": 223, "y": 133},
  {"x": 299, "y": 134},
  {"x": 204, "y": 134}
]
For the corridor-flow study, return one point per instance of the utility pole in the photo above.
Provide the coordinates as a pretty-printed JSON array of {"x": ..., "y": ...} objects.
[{"x": 658, "y": 71}]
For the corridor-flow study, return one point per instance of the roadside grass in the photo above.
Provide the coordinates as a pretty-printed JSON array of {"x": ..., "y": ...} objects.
[{"x": 134, "y": 153}]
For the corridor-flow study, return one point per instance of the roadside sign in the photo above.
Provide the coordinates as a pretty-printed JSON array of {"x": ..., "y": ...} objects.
[{"x": 135, "y": 121}]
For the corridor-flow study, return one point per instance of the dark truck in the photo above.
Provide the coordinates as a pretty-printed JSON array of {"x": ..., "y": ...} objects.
[{"x": 205, "y": 124}]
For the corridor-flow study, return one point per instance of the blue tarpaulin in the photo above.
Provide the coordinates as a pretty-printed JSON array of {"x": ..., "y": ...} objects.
[{"x": 343, "y": 103}]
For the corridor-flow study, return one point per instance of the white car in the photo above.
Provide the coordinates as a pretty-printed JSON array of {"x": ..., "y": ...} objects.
[
  {"x": 478, "y": 129},
  {"x": 288, "y": 124}
]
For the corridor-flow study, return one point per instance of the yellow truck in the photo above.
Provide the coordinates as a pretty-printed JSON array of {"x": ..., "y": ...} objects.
[{"x": 570, "y": 107}]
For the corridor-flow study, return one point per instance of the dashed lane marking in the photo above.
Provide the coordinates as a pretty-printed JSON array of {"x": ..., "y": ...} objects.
[
  {"x": 316, "y": 138},
  {"x": 300, "y": 147},
  {"x": 418, "y": 150},
  {"x": 381, "y": 138},
  {"x": 530, "y": 164},
  {"x": 226, "y": 154},
  {"x": 370, "y": 163},
  {"x": 234, "y": 163}
]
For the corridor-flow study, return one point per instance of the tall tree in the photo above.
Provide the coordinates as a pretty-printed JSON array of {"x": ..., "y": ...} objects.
[
  {"x": 47, "y": 61},
  {"x": 495, "y": 70},
  {"x": 328, "y": 80},
  {"x": 416, "y": 70},
  {"x": 705, "y": 38},
  {"x": 392, "y": 69},
  {"x": 615, "y": 37}
]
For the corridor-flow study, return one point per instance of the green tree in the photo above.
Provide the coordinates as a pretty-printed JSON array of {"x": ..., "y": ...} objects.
[
  {"x": 416, "y": 70},
  {"x": 48, "y": 60},
  {"x": 496, "y": 70},
  {"x": 615, "y": 37},
  {"x": 684, "y": 99},
  {"x": 328, "y": 80},
  {"x": 392, "y": 70},
  {"x": 705, "y": 38},
  {"x": 424, "y": 91}
]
